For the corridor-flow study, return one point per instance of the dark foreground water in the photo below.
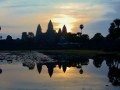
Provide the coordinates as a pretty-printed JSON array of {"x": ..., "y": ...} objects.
[{"x": 35, "y": 71}]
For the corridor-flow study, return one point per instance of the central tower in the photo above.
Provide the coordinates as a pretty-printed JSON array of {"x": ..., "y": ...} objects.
[
  {"x": 50, "y": 34},
  {"x": 50, "y": 27}
]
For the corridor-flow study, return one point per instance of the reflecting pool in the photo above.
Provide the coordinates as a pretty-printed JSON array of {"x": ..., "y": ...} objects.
[{"x": 36, "y": 71}]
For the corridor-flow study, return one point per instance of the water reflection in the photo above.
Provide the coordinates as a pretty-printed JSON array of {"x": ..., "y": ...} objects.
[
  {"x": 97, "y": 62},
  {"x": 114, "y": 71},
  {"x": 39, "y": 67},
  {"x": 0, "y": 70},
  {"x": 31, "y": 66},
  {"x": 64, "y": 62}
]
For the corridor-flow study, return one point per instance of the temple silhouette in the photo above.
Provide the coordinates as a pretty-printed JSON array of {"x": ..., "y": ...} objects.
[
  {"x": 64, "y": 40},
  {"x": 48, "y": 39},
  {"x": 50, "y": 36}
]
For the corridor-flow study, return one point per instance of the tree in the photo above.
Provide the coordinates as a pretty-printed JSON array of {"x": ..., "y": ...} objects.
[
  {"x": 114, "y": 71},
  {"x": 97, "y": 42},
  {"x": 0, "y": 71},
  {"x": 84, "y": 38},
  {"x": 114, "y": 30},
  {"x": 79, "y": 34},
  {"x": 98, "y": 37},
  {"x": 9, "y": 38},
  {"x": 81, "y": 71},
  {"x": 81, "y": 27},
  {"x": 97, "y": 62},
  {"x": 117, "y": 23}
]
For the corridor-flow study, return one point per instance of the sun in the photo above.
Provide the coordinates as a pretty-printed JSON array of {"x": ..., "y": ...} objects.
[
  {"x": 64, "y": 20},
  {"x": 68, "y": 26}
]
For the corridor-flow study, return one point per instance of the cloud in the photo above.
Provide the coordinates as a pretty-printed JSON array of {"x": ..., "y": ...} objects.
[
  {"x": 23, "y": 15},
  {"x": 3, "y": 0}
]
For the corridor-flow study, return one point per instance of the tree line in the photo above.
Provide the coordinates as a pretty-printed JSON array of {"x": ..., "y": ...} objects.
[{"x": 64, "y": 40}]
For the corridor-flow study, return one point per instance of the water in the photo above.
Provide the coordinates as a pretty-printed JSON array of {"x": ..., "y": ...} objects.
[{"x": 36, "y": 71}]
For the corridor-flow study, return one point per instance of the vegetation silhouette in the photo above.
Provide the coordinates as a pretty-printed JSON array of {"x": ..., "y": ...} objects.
[
  {"x": 0, "y": 71},
  {"x": 81, "y": 27},
  {"x": 114, "y": 30},
  {"x": 97, "y": 62},
  {"x": 114, "y": 71},
  {"x": 64, "y": 40}
]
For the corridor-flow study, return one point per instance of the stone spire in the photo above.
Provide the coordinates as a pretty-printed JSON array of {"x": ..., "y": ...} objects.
[
  {"x": 50, "y": 26},
  {"x": 38, "y": 32},
  {"x": 59, "y": 31},
  {"x": 64, "y": 30}
]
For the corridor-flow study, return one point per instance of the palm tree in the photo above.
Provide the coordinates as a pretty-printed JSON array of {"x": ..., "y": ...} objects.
[{"x": 81, "y": 27}]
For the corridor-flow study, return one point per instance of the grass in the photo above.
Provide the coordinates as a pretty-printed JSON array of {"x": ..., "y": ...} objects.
[{"x": 81, "y": 52}]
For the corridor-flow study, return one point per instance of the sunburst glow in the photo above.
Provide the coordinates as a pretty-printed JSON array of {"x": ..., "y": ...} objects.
[
  {"x": 64, "y": 20},
  {"x": 68, "y": 26}
]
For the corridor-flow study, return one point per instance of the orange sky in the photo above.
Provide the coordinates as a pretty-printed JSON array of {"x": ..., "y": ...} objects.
[{"x": 23, "y": 16}]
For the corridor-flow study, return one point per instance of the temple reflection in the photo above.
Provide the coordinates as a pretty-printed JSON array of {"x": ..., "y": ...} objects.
[
  {"x": 50, "y": 67},
  {"x": 64, "y": 62},
  {"x": 39, "y": 67},
  {"x": 30, "y": 65}
]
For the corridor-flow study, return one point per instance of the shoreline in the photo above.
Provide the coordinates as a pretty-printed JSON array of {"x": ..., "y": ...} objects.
[{"x": 84, "y": 53}]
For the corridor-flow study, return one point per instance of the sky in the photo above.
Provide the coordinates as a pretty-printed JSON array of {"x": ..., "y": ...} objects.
[{"x": 17, "y": 16}]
